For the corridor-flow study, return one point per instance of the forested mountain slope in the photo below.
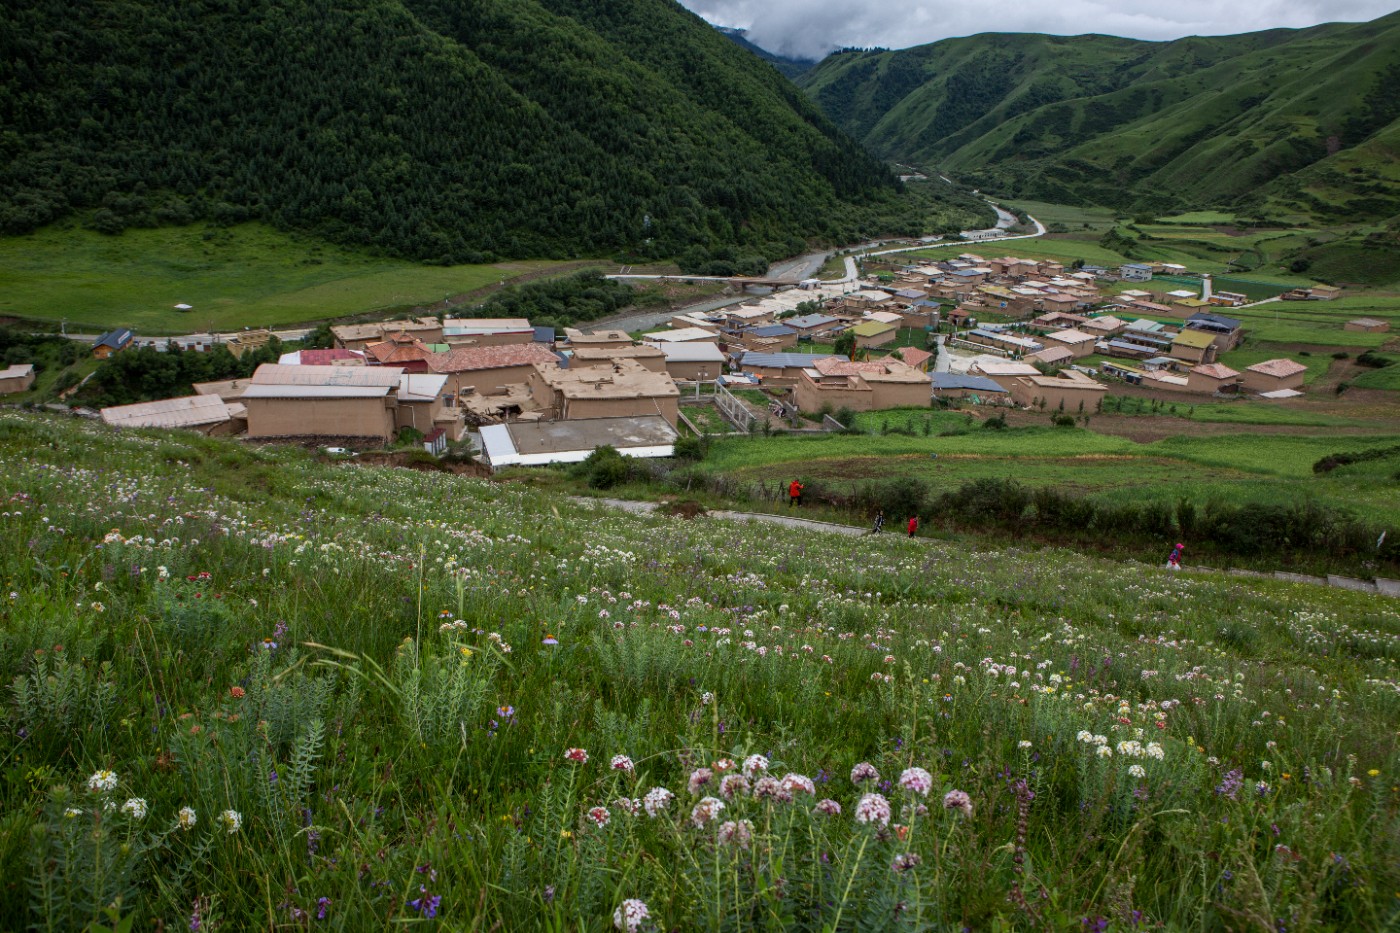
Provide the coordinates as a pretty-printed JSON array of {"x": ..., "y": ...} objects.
[
  {"x": 1302, "y": 119},
  {"x": 446, "y": 130},
  {"x": 790, "y": 67}
]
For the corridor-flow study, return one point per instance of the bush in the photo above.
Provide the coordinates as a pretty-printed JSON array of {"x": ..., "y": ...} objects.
[
  {"x": 996, "y": 422},
  {"x": 1063, "y": 421},
  {"x": 846, "y": 416},
  {"x": 604, "y": 468},
  {"x": 692, "y": 447}
]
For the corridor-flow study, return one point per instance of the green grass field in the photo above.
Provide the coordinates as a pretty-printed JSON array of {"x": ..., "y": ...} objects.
[
  {"x": 249, "y": 275},
  {"x": 254, "y": 690}
]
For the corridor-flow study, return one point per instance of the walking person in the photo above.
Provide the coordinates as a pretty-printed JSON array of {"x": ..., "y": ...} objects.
[
  {"x": 794, "y": 493},
  {"x": 913, "y": 524},
  {"x": 879, "y": 522},
  {"x": 1174, "y": 561}
]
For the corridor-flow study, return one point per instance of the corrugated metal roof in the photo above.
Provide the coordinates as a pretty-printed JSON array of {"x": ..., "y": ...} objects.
[
  {"x": 275, "y": 374},
  {"x": 696, "y": 352},
  {"x": 960, "y": 381},
  {"x": 315, "y": 391},
  {"x": 784, "y": 360},
  {"x": 185, "y": 412},
  {"x": 420, "y": 387},
  {"x": 470, "y": 359}
]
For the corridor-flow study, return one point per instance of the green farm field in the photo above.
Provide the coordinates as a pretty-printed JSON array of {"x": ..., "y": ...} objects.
[
  {"x": 243, "y": 276},
  {"x": 251, "y": 689}
]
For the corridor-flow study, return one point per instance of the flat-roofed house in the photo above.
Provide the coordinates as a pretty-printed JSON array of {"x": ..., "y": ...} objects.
[
  {"x": 1194, "y": 346},
  {"x": 539, "y": 443},
  {"x": 809, "y": 325},
  {"x": 1274, "y": 376},
  {"x": 870, "y": 334},
  {"x": 611, "y": 337},
  {"x": 626, "y": 389},
  {"x": 1325, "y": 292},
  {"x": 17, "y": 377},
  {"x": 1105, "y": 326},
  {"x": 1071, "y": 391},
  {"x": 769, "y": 338},
  {"x": 422, "y": 405},
  {"x": 1050, "y": 356},
  {"x": 207, "y": 414},
  {"x": 680, "y": 335},
  {"x": 861, "y": 386},
  {"x": 1077, "y": 342},
  {"x": 1367, "y": 325},
  {"x": 649, "y": 355},
  {"x": 489, "y": 370},
  {"x": 334, "y": 356},
  {"x": 1226, "y": 331},
  {"x": 1212, "y": 379},
  {"x": 1001, "y": 340},
  {"x": 1003, "y": 372},
  {"x": 322, "y": 401},
  {"x": 958, "y": 385},
  {"x": 358, "y": 336},
  {"x": 693, "y": 362},
  {"x": 487, "y": 332}
]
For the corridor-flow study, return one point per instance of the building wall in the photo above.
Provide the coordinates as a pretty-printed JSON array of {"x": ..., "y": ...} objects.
[
  {"x": 1193, "y": 354},
  {"x": 900, "y": 394},
  {"x": 16, "y": 384},
  {"x": 1258, "y": 382},
  {"x": 489, "y": 381},
  {"x": 1027, "y": 393},
  {"x": 667, "y": 408},
  {"x": 689, "y": 372},
  {"x": 866, "y": 343},
  {"x": 810, "y": 396},
  {"x": 341, "y": 417},
  {"x": 1206, "y": 385},
  {"x": 775, "y": 376}
]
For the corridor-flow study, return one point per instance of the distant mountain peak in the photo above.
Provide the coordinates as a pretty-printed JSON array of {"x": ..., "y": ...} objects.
[{"x": 789, "y": 66}]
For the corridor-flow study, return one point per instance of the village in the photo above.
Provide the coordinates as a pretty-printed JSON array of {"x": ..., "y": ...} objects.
[{"x": 967, "y": 332}]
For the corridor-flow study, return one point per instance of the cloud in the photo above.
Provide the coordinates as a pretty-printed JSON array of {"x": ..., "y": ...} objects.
[{"x": 811, "y": 28}]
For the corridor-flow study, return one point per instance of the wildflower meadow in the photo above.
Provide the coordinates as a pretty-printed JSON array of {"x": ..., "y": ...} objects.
[{"x": 249, "y": 690}]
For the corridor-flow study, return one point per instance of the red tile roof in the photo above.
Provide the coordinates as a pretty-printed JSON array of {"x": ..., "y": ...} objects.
[
  {"x": 325, "y": 357},
  {"x": 1215, "y": 371},
  {"x": 1279, "y": 369},
  {"x": 465, "y": 359},
  {"x": 914, "y": 356}
]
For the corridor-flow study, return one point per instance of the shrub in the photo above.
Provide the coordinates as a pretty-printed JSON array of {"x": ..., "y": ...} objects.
[
  {"x": 996, "y": 422},
  {"x": 692, "y": 447},
  {"x": 604, "y": 468}
]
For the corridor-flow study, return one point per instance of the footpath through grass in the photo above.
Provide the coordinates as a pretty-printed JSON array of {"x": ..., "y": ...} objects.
[
  {"x": 251, "y": 690},
  {"x": 244, "y": 276}
]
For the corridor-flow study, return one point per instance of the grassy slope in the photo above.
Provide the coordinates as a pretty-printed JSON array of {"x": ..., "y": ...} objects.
[
  {"x": 247, "y": 275},
  {"x": 1197, "y": 122},
  {"x": 415, "y": 764}
]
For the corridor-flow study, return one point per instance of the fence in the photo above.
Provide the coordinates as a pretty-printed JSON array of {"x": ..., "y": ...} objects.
[{"x": 734, "y": 411}]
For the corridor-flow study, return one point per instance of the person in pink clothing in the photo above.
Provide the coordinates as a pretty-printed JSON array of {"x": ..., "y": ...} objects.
[
  {"x": 913, "y": 524},
  {"x": 1174, "y": 560}
]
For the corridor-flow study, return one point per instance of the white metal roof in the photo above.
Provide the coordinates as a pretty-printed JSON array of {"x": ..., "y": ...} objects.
[
  {"x": 314, "y": 391},
  {"x": 185, "y": 412}
]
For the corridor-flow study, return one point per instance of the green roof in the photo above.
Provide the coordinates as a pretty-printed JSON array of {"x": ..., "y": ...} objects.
[
  {"x": 872, "y": 329},
  {"x": 1197, "y": 339}
]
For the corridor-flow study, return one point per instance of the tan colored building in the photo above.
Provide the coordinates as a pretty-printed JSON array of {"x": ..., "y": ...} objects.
[
  {"x": 1066, "y": 392},
  {"x": 863, "y": 386},
  {"x": 359, "y": 336},
  {"x": 693, "y": 362},
  {"x": 598, "y": 338},
  {"x": 872, "y": 334},
  {"x": 1078, "y": 343},
  {"x": 681, "y": 335},
  {"x": 323, "y": 401},
  {"x": 1050, "y": 356},
  {"x": 1213, "y": 378},
  {"x": 422, "y": 405},
  {"x": 489, "y": 370},
  {"x": 16, "y": 378},
  {"x": 913, "y": 356},
  {"x": 1274, "y": 376},
  {"x": 1367, "y": 325},
  {"x": 204, "y": 413},
  {"x": 1106, "y": 326},
  {"x": 247, "y": 341},
  {"x": 487, "y": 332},
  {"x": 781, "y": 369},
  {"x": 649, "y": 356},
  {"x": 627, "y": 389},
  {"x": 1325, "y": 292},
  {"x": 1194, "y": 346},
  {"x": 1004, "y": 373}
]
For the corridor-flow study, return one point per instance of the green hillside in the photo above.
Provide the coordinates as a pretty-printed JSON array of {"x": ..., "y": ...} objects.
[
  {"x": 442, "y": 130},
  {"x": 790, "y": 67},
  {"x": 1284, "y": 121},
  {"x": 249, "y": 690}
]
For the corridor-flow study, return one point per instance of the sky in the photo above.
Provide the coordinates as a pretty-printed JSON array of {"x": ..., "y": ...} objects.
[{"x": 811, "y": 28}]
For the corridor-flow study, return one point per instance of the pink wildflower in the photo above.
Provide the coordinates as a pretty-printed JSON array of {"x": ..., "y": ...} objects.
[
  {"x": 734, "y": 833},
  {"x": 916, "y": 781},
  {"x": 578, "y": 756},
  {"x": 630, "y": 915},
  {"x": 798, "y": 783},
  {"x": 622, "y": 763},
  {"x": 863, "y": 772},
  {"x": 698, "y": 779},
  {"x": 656, "y": 801},
  {"x": 873, "y": 808},
  {"x": 733, "y": 785},
  {"x": 770, "y": 788},
  {"x": 827, "y": 808},
  {"x": 706, "y": 810},
  {"x": 599, "y": 816},
  {"x": 958, "y": 801},
  {"x": 754, "y": 765}
]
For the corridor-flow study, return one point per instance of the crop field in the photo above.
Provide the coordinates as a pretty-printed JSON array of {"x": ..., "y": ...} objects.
[
  {"x": 253, "y": 690},
  {"x": 1247, "y": 467},
  {"x": 248, "y": 275}
]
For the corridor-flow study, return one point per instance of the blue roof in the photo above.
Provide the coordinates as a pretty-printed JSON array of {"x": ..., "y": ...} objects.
[
  {"x": 1136, "y": 265},
  {"x": 810, "y": 320},
  {"x": 963, "y": 381},
  {"x": 771, "y": 330},
  {"x": 785, "y": 360},
  {"x": 908, "y": 293},
  {"x": 116, "y": 339},
  {"x": 1220, "y": 320},
  {"x": 966, "y": 273},
  {"x": 544, "y": 335},
  {"x": 929, "y": 304}
]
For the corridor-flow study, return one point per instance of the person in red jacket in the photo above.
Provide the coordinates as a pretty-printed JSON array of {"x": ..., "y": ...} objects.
[
  {"x": 794, "y": 493},
  {"x": 913, "y": 524}
]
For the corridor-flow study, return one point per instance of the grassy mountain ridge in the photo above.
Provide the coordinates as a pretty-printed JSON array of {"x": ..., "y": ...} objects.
[
  {"x": 1247, "y": 120},
  {"x": 438, "y": 130}
]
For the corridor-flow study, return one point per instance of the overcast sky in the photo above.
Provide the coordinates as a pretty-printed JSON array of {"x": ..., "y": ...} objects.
[{"x": 811, "y": 28}]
